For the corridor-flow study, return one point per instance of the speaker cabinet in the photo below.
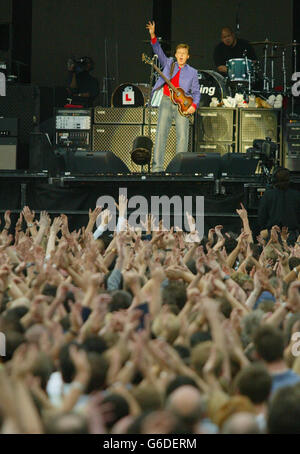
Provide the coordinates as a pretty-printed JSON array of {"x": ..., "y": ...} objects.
[
  {"x": 42, "y": 156},
  {"x": 90, "y": 162},
  {"x": 118, "y": 115},
  {"x": 292, "y": 146},
  {"x": 215, "y": 124},
  {"x": 258, "y": 124},
  {"x": 8, "y": 153},
  {"x": 118, "y": 139},
  {"x": 191, "y": 163},
  {"x": 237, "y": 165}
]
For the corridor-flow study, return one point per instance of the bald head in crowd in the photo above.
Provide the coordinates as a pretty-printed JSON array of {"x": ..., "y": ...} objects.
[
  {"x": 240, "y": 423},
  {"x": 187, "y": 403}
]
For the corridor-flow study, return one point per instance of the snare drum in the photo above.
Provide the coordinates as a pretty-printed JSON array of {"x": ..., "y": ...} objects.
[
  {"x": 237, "y": 69},
  {"x": 130, "y": 95}
]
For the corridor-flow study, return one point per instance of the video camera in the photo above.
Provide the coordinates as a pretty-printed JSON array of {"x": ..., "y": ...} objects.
[
  {"x": 80, "y": 64},
  {"x": 265, "y": 151}
]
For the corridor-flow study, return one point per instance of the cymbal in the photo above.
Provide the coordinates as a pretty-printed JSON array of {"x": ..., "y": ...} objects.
[
  {"x": 291, "y": 44},
  {"x": 266, "y": 42}
]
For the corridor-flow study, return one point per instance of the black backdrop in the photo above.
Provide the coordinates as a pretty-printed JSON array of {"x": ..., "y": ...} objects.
[
  {"x": 199, "y": 23},
  {"x": 61, "y": 28}
]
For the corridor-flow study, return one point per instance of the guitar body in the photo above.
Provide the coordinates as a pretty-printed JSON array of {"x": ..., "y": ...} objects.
[{"x": 182, "y": 101}]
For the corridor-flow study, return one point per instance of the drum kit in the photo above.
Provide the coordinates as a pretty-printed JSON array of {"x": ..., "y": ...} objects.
[{"x": 249, "y": 77}]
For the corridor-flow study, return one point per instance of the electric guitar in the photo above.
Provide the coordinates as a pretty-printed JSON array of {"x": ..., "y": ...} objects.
[{"x": 177, "y": 94}]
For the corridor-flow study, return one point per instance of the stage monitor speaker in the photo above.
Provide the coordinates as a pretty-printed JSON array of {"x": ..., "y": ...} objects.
[
  {"x": 118, "y": 115},
  {"x": 42, "y": 156},
  {"x": 91, "y": 162},
  {"x": 257, "y": 124},
  {"x": 119, "y": 140},
  {"x": 237, "y": 164},
  {"x": 215, "y": 124},
  {"x": 8, "y": 153},
  {"x": 195, "y": 163}
]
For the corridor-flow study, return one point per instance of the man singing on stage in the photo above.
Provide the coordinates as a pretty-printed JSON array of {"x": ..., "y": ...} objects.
[{"x": 181, "y": 75}]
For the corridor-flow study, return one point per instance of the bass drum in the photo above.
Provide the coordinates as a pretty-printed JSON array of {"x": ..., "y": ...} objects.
[
  {"x": 212, "y": 85},
  {"x": 130, "y": 95}
]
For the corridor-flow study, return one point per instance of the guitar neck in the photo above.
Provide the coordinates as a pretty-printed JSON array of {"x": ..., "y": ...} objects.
[{"x": 164, "y": 77}]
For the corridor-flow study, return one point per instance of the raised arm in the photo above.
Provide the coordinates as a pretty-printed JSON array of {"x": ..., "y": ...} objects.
[{"x": 163, "y": 59}]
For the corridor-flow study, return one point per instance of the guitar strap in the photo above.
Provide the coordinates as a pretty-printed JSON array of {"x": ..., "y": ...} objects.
[{"x": 172, "y": 69}]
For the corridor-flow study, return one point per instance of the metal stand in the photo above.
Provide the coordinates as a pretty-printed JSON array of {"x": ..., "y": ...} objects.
[
  {"x": 249, "y": 75},
  {"x": 284, "y": 71},
  {"x": 265, "y": 77},
  {"x": 272, "y": 66},
  {"x": 295, "y": 69},
  {"x": 106, "y": 78}
]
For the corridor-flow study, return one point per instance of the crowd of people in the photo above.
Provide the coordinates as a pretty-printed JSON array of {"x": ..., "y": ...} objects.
[{"x": 147, "y": 331}]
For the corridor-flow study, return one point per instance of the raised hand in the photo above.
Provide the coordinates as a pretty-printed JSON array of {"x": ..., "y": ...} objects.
[
  {"x": 19, "y": 223},
  {"x": 93, "y": 214},
  {"x": 44, "y": 220},
  {"x": 56, "y": 225},
  {"x": 28, "y": 215},
  {"x": 151, "y": 27},
  {"x": 122, "y": 206},
  {"x": 242, "y": 212},
  {"x": 7, "y": 219},
  {"x": 106, "y": 217},
  {"x": 64, "y": 226}
]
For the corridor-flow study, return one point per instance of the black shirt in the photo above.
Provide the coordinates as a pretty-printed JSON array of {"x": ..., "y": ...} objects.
[
  {"x": 85, "y": 84},
  {"x": 279, "y": 207},
  {"x": 223, "y": 53}
]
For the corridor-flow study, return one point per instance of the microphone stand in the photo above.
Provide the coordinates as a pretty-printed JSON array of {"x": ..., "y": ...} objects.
[
  {"x": 248, "y": 72},
  {"x": 295, "y": 69},
  {"x": 237, "y": 20},
  {"x": 266, "y": 80},
  {"x": 149, "y": 98}
]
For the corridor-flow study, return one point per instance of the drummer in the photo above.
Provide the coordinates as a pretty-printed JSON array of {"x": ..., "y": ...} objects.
[{"x": 231, "y": 47}]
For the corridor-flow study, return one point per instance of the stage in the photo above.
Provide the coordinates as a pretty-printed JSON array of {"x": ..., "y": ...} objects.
[{"x": 74, "y": 194}]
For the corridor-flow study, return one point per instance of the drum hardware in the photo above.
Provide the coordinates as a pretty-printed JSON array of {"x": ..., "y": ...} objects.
[
  {"x": 239, "y": 70},
  {"x": 265, "y": 77},
  {"x": 266, "y": 42},
  {"x": 284, "y": 72},
  {"x": 294, "y": 45},
  {"x": 248, "y": 72}
]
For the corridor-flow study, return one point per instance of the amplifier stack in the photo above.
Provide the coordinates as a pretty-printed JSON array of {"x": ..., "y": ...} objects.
[
  {"x": 115, "y": 129},
  {"x": 292, "y": 145}
]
